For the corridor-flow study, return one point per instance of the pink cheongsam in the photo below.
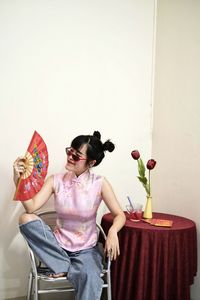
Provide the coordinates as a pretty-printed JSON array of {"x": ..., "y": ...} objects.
[{"x": 76, "y": 202}]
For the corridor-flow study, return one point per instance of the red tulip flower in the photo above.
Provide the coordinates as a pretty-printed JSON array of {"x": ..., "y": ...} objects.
[
  {"x": 151, "y": 164},
  {"x": 135, "y": 154},
  {"x": 141, "y": 170}
]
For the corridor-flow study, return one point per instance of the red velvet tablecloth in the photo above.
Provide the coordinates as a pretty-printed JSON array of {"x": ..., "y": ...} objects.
[{"x": 156, "y": 263}]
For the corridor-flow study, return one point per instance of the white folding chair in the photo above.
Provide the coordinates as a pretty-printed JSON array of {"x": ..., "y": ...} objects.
[{"x": 37, "y": 272}]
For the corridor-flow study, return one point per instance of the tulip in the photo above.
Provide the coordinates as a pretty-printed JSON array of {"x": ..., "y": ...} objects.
[
  {"x": 141, "y": 170},
  {"x": 135, "y": 154},
  {"x": 151, "y": 164}
]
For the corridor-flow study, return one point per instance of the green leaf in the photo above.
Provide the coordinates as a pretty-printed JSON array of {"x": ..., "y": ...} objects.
[
  {"x": 141, "y": 168},
  {"x": 147, "y": 188},
  {"x": 142, "y": 179}
]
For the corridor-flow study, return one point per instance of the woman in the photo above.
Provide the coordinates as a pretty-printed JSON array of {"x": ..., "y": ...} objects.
[{"x": 71, "y": 250}]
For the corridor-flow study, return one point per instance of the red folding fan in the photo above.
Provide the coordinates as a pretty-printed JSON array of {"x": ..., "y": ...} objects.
[{"x": 36, "y": 165}]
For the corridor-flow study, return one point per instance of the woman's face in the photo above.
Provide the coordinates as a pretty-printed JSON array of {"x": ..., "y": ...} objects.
[{"x": 77, "y": 166}]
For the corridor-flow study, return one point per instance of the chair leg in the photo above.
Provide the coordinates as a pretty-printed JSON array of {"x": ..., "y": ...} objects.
[
  {"x": 35, "y": 288},
  {"x": 109, "y": 294},
  {"x": 30, "y": 282}
]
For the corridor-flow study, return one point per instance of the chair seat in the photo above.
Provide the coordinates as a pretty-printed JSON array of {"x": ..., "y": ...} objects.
[
  {"x": 52, "y": 279},
  {"x": 43, "y": 274}
]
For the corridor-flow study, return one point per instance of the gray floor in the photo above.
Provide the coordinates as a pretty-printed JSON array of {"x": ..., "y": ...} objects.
[
  {"x": 59, "y": 296},
  {"x": 47, "y": 297}
]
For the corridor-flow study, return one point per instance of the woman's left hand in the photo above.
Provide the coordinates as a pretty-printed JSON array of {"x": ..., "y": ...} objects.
[{"x": 112, "y": 244}]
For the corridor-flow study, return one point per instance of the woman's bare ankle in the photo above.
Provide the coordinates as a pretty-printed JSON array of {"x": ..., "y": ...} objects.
[{"x": 58, "y": 275}]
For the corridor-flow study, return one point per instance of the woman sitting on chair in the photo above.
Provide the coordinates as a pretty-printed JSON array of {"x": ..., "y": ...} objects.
[{"x": 71, "y": 250}]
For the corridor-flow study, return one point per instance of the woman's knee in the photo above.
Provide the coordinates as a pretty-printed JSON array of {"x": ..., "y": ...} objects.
[{"x": 25, "y": 218}]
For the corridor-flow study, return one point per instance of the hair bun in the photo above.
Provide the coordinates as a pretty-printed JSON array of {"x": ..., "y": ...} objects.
[
  {"x": 108, "y": 146},
  {"x": 97, "y": 134}
]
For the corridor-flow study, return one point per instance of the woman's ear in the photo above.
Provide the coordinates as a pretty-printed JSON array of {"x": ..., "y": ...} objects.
[{"x": 92, "y": 163}]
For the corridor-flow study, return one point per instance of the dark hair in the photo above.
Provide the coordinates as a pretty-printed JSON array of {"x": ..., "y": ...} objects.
[{"x": 95, "y": 149}]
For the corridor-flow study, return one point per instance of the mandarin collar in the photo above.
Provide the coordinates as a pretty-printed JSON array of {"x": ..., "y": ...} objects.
[{"x": 82, "y": 177}]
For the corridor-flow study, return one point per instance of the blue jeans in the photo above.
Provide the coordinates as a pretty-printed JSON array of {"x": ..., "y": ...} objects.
[{"x": 83, "y": 267}]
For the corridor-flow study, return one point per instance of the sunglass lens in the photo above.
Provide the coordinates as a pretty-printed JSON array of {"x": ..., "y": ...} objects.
[{"x": 75, "y": 157}]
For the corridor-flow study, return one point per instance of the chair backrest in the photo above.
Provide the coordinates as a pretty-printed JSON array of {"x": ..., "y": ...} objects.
[{"x": 48, "y": 216}]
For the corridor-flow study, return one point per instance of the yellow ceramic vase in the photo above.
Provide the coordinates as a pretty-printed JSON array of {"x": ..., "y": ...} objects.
[{"x": 148, "y": 208}]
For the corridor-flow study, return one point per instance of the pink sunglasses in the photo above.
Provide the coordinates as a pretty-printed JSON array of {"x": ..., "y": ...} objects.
[{"x": 75, "y": 157}]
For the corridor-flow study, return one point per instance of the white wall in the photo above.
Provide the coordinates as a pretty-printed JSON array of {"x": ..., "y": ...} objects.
[
  {"x": 176, "y": 130},
  {"x": 69, "y": 68}
]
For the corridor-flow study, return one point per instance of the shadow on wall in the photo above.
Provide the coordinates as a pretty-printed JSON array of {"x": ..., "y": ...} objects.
[
  {"x": 13, "y": 258},
  {"x": 15, "y": 265}
]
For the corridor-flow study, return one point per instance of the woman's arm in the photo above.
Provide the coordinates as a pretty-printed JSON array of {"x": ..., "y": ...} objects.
[
  {"x": 112, "y": 243},
  {"x": 41, "y": 197}
]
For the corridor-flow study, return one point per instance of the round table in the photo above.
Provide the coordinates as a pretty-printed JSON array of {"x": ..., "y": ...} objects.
[{"x": 156, "y": 263}]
